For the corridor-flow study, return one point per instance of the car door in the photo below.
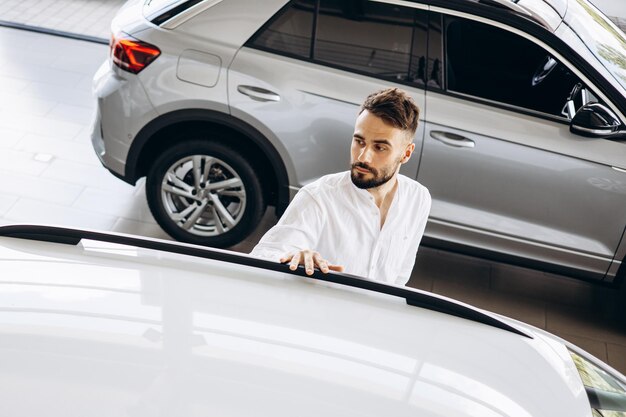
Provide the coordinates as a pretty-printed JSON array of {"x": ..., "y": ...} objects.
[
  {"x": 505, "y": 173},
  {"x": 301, "y": 78}
]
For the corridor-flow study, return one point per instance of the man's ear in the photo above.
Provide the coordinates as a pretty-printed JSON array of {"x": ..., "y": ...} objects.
[{"x": 408, "y": 152}]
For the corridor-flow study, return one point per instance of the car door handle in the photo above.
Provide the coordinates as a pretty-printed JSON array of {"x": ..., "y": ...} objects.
[
  {"x": 258, "y": 93},
  {"x": 452, "y": 139}
]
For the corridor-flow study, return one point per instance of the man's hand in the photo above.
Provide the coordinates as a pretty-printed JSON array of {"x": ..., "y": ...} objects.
[{"x": 310, "y": 259}]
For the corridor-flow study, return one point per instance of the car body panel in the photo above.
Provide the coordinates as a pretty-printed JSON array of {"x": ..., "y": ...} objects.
[
  {"x": 231, "y": 22},
  {"x": 211, "y": 32},
  {"x": 511, "y": 186},
  {"x": 545, "y": 12},
  {"x": 99, "y": 328},
  {"x": 129, "y": 17},
  {"x": 118, "y": 96},
  {"x": 559, "y": 5},
  {"x": 618, "y": 262},
  {"x": 166, "y": 90}
]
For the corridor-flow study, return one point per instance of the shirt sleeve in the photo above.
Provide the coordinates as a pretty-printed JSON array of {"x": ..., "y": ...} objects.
[
  {"x": 409, "y": 258},
  {"x": 298, "y": 229}
]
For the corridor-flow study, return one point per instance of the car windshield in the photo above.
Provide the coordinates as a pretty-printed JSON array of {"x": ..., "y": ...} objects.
[{"x": 603, "y": 38}]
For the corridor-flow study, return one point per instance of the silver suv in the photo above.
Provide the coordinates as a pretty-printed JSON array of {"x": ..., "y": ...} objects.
[{"x": 228, "y": 106}]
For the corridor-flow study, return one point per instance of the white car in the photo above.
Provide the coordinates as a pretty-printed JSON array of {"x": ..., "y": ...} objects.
[{"x": 100, "y": 324}]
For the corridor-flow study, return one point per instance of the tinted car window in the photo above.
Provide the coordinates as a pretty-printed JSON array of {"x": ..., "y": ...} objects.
[
  {"x": 374, "y": 38},
  {"x": 290, "y": 31},
  {"x": 491, "y": 63}
]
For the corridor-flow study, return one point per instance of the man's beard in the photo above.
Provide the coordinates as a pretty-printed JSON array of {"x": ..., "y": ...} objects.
[{"x": 377, "y": 179}]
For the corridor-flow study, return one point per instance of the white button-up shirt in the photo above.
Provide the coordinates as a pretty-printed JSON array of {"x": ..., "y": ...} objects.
[{"x": 342, "y": 222}]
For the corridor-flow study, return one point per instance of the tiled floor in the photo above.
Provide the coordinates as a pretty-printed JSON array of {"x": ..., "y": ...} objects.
[
  {"x": 50, "y": 174},
  {"x": 85, "y": 17}
]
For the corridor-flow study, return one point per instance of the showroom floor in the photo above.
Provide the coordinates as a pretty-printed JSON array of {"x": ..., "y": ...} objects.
[{"x": 51, "y": 175}]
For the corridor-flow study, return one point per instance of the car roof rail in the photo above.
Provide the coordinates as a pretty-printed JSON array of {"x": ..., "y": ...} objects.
[
  {"x": 512, "y": 6},
  {"x": 412, "y": 296}
]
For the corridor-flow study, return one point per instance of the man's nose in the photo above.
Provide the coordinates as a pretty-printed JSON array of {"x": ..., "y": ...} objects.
[{"x": 365, "y": 155}]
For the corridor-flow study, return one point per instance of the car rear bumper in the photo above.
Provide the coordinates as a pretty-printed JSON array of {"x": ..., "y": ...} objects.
[{"x": 122, "y": 109}]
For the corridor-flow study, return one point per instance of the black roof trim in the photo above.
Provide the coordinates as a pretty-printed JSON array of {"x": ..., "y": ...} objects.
[
  {"x": 413, "y": 297},
  {"x": 163, "y": 16}
]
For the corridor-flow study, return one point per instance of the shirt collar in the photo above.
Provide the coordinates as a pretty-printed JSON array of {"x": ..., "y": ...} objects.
[{"x": 364, "y": 194}]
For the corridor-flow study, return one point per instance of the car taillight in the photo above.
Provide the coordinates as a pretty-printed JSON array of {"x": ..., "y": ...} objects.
[{"x": 131, "y": 54}]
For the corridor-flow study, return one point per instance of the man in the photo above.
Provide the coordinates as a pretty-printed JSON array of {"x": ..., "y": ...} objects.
[{"x": 368, "y": 221}]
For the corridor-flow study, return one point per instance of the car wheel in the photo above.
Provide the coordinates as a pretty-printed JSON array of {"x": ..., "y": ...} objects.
[{"x": 204, "y": 193}]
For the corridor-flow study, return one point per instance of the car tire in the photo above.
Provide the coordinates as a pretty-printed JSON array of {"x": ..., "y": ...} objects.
[{"x": 204, "y": 193}]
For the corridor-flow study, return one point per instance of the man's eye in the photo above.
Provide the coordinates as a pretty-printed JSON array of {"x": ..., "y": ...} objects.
[{"x": 381, "y": 148}]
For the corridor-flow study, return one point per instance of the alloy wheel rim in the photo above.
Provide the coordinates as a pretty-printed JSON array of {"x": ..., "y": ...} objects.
[{"x": 203, "y": 195}]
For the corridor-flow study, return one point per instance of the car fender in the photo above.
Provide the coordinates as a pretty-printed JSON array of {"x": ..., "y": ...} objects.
[{"x": 281, "y": 167}]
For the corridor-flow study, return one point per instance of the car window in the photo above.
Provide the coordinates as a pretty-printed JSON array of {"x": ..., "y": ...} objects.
[
  {"x": 491, "y": 63},
  {"x": 290, "y": 31},
  {"x": 380, "y": 39}
]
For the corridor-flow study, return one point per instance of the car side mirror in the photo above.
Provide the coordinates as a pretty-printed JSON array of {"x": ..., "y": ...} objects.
[{"x": 595, "y": 120}]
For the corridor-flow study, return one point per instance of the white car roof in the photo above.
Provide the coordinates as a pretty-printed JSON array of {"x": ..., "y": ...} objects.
[{"x": 98, "y": 328}]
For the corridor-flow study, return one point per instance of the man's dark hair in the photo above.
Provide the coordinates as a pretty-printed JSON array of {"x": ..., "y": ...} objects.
[{"x": 395, "y": 107}]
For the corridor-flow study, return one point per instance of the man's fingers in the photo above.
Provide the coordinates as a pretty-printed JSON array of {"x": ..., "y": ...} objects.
[
  {"x": 320, "y": 262},
  {"x": 295, "y": 260},
  {"x": 308, "y": 262},
  {"x": 286, "y": 258}
]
